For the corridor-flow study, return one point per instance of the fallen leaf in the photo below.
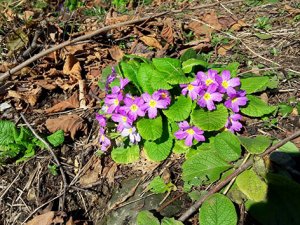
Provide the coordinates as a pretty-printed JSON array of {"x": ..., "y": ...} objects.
[
  {"x": 30, "y": 97},
  {"x": 116, "y": 53},
  {"x": 167, "y": 31},
  {"x": 14, "y": 94},
  {"x": 264, "y": 97},
  {"x": 28, "y": 14},
  {"x": 110, "y": 176},
  {"x": 17, "y": 40},
  {"x": 92, "y": 174},
  {"x": 70, "y": 221},
  {"x": 48, "y": 85},
  {"x": 68, "y": 123},
  {"x": 291, "y": 10},
  {"x": 70, "y": 103},
  {"x": 151, "y": 42},
  {"x": 74, "y": 49},
  {"x": 238, "y": 26},
  {"x": 226, "y": 21},
  {"x": 44, "y": 219},
  {"x": 222, "y": 50},
  {"x": 72, "y": 67}
]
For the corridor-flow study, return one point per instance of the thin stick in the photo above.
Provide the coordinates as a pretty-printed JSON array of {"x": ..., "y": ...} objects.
[
  {"x": 241, "y": 169},
  {"x": 5, "y": 75},
  {"x": 54, "y": 157}
]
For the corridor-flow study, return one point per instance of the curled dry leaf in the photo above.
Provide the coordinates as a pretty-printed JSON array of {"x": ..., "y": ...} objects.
[
  {"x": 72, "y": 67},
  {"x": 92, "y": 174},
  {"x": 116, "y": 53},
  {"x": 44, "y": 219},
  {"x": 226, "y": 21},
  {"x": 167, "y": 31},
  {"x": 70, "y": 103},
  {"x": 68, "y": 123},
  {"x": 46, "y": 84},
  {"x": 30, "y": 97},
  {"x": 223, "y": 49},
  {"x": 151, "y": 42},
  {"x": 238, "y": 26},
  {"x": 110, "y": 176}
]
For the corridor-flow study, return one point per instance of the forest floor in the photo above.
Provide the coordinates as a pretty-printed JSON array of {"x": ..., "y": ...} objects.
[{"x": 60, "y": 91}]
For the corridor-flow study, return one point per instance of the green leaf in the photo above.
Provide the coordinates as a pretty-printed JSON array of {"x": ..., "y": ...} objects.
[
  {"x": 256, "y": 107},
  {"x": 233, "y": 68},
  {"x": 57, "y": 138},
  {"x": 158, "y": 151},
  {"x": 203, "y": 166},
  {"x": 188, "y": 54},
  {"x": 180, "y": 147},
  {"x": 22, "y": 136},
  {"x": 263, "y": 36},
  {"x": 146, "y": 217},
  {"x": 170, "y": 221},
  {"x": 180, "y": 109},
  {"x": 289, "y": 147},
  {"x": 210, "y": 120},
  {"x": 125, "y": 155},
  {"x": 218, "y": 210},
  {"x": 228, "y": 146},
  {"x": 144, "y": 77},
  {"x": 252, "y": 186},
  {"x": 7, "y": 132},
  {"x": 158, "y": 186},
  {"x": 188, "y": 65},
  {"x": 255, "y": 145},
  {"x": 254, "y": 84},
  {"x": 285, "y": 109},
  {"x": 150, "y": 129},
  {"x": 172, "y": 69},
  {"x": 105, "y": 73},
  {"x": 130, "y": 71}
]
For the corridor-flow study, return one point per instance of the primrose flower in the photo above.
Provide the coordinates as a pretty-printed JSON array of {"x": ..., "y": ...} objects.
[
  {"x": 110, "y": 78},
  {"x": 164, "y": 95},
  {"x": 191, "y": 89},
  {"x": 101, "y": 119},
  {"x": 233, "y": 123},
  {"x": 123, "y": 120},
  {"x": 209, "y": 97},
  {"x": 123, "y": 82},
  {"x": 134, "y": 137},
  {"x": 226, "y": 85},
  {"x": 133, "y": 107},
  {"x": 209, "y": 78},
  {"x": 189, "y": 133},
  {"x": 113, "y": 102},
  {"x": 236, "y": 100},
  {"x": 103, "y": 140},
  {"x": 154, "y": 102}
]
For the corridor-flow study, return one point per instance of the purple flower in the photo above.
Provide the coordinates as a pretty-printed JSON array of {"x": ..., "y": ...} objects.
[
  {"x": 236, "y": 100},
  {"x": 233, "y": 124},
  {"x": 101, "y": 119},
  {"x": 209, "y": 97},
  {"x": 103, "y": 140},
  {"x": 123, "y": 83},
  {"x": 154, "y": 102},
  {"x": 164, "y": 95},
  {"x": 189, "y": 133},
  {"x": 133, "y": 107},
  {"x": 134, "y": 137},
  {"x": 209, "y": 79},
  {"x": 110, "y": 78},
  {"x": 226, "y": 85},
  {"x": 113, "y": 102},
  {"x": 123, "y": 120},
  {"x": 192, "y": 89}
]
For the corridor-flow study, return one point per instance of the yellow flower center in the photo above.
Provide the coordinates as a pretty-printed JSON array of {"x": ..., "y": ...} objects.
[
  {"x": 190, "y": 87},
  {"x": 190, "y": 131},
  {"x": 130, "y": 130},
  {"x": 102, "y": 137},
  {"x": 152, "y": 103},
  {"x": 234, "y": 100},
  {"x": 163, "y": 95},
  {"x": 124, "y": 118},
  {"x": 116, "y": 102},
  {"x": 206, "y": 96},
  {"x": 225, "y": 84},
  {"x": 134, "y": 107},
  {"x": 208, "y": 82}
]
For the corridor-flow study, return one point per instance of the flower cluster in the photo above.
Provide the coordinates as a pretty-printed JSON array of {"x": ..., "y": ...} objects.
[
  {"x": 208, "y": 89},
  {"x": 125, "y": 109}
]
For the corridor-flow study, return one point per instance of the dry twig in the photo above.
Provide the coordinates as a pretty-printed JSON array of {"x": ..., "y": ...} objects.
[{"x": 241, "y": 169}]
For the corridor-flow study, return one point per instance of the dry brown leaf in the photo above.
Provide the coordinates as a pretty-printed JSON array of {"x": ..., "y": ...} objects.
[
  {"x": 226, "y": 21},
  {"x": 291, "y": 10},
  {"x": 72, "y": 67},
  {"x": 44, "y": 219},
  {"x": 264, "y": 97},
  {"x": 110, "y": 176},
  {"x": 151, "y": 42},
  {"x": 68, "y": 123},
  {"x": 28, "y": 14},
  {"x": 116, "y": 53},
  {"x": 30, "y": 97},
  {"x": 201, "y": 29},
  {"x": 70, "y": 103},
  {"x": 238, "y": 26},
  {"x": 70, "y": 221},
  {"x": 167, "y": 31},
  {"x": 14, "y": 94},
  {"x": 222, "y": 50},
  {"x": 92, "y": 174},
  {"x": 48, "y": 85},
  {"x": 74, "y": 49}
]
